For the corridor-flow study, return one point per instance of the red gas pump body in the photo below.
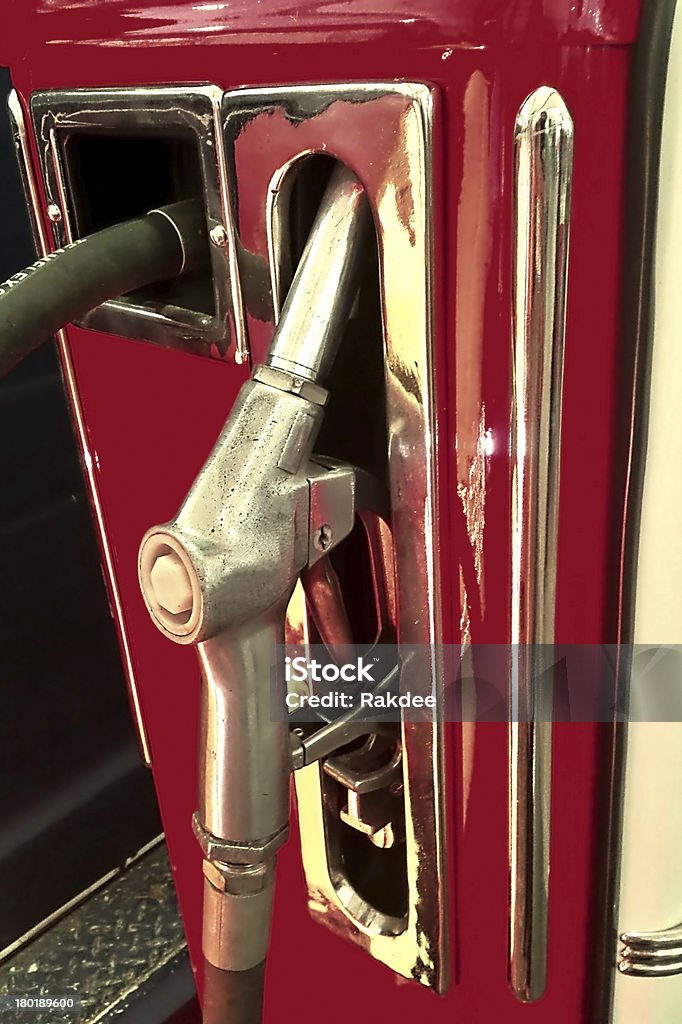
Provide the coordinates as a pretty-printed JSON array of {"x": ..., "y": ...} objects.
[{"x": 151, "y": 416}]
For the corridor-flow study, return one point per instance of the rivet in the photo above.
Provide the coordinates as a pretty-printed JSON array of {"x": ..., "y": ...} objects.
[{"x": 218, "y": 236}]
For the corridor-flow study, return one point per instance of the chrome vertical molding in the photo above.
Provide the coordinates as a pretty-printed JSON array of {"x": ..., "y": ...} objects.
[
  {"x": 20, "y": 136},
  {"x": 543, "y": 155}
]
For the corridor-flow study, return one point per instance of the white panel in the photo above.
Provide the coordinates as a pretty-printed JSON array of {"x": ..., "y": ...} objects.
[{"x": 651, "y": 883}]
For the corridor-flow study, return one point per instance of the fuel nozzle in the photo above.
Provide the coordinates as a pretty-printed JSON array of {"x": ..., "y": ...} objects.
[
  {"x": 326, "y": 283},
  {"x": 220, "y": 576}
]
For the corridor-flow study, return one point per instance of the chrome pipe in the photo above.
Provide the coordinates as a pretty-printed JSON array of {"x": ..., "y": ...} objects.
[{"x": 543, "y": 159}]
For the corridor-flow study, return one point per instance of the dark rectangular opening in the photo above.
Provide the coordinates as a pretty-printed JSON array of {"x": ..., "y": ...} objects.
[{"x": 112, "y": 177}]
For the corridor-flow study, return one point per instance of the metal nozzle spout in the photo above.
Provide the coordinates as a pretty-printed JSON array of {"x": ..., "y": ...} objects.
[{"x": 326, "y": 282}]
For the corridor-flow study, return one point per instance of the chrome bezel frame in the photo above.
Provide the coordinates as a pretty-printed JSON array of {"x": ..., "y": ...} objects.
[
  {"x": 195, "y": 109},
  {"x": 333, "y": 120}
]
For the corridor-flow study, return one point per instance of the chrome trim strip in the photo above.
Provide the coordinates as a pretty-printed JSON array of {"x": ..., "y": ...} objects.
[
  {"x": 193, "y": 111},
  {"x": 21, "y": 145},
  {"x": 31, "y": 190},
  {"x": 543, "y": 155},
  {"x": 651, "y": 954},
  {"x": 382, "y": 131}
]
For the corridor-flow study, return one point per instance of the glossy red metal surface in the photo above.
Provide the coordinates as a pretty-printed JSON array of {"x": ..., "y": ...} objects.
[
  {"x": 63, "y": 24},
  {"x": 153, "y": 415}
]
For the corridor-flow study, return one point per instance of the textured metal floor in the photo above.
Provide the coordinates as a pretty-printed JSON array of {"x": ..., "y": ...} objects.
[{"x": 103, "y": 953}]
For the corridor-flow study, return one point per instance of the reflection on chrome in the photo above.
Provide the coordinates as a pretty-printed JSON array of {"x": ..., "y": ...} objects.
[{"x": 543, "y": 153}]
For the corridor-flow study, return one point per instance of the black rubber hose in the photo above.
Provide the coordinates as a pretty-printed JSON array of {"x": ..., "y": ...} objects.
[
  {"x": 66, "y": 284},
  {"x": 233, "y": 997}
]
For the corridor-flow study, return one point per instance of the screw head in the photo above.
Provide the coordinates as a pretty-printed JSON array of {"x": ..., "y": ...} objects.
[
  {"x": 218, "y": 236},
  {"x": 323, "y": 538},
  {"x": 54, "y": 213}
]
